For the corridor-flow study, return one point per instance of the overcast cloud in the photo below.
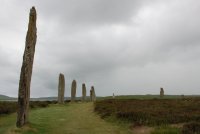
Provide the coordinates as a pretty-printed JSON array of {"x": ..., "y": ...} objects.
[{"x": 119, "y": 46}]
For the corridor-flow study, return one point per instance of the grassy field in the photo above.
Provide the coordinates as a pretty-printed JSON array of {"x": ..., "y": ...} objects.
[
  {"x": 120, "y": 116},
  {"x": 76, "y": 118}
]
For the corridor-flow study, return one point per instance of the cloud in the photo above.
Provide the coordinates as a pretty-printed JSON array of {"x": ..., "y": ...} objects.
[
  {"x": 126, "y": 47},
  {"x": 92, "y": 12}
]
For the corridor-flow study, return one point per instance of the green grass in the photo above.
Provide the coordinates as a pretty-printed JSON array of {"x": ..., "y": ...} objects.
[
  {"x": 72, "y": 118},
  {"x": 6, "y": 122},
  {"x": 76, "y": 118},
  {"x": 166, "y": 130}
]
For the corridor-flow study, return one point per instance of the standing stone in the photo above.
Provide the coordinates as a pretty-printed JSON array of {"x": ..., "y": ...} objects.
[
  {"x": 161, "y": 92},
  {"x": 26, "y": 70},
  {"x": 113, "y": 96},
  {"x": 73, "y": 91},
  {"x": 93, "y": 95},
  {"x": 83, "y": 92},
  {"x": 61, "y": 89}
]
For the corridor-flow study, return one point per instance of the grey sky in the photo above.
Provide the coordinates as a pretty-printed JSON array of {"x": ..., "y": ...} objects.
[{"x": 120, "y": 46}]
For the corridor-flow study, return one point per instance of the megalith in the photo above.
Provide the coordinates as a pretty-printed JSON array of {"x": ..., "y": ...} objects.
[
  {"x": 83, "y": 92},
  {"x": 26, "y": 70},
  {"x": 90, "y": 94},
  {"x": 113, "y": 96},
  {"x": 161, "y": 92},
  {"x": 93, "y": 95},
  {"x": 61, "y": 89},
  {"x": 73, "y": 91}
]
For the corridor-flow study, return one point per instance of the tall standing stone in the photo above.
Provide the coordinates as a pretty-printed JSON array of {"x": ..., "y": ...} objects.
[
  {"x": 73, "y": 91},
  {"x": 161, "y": 92},
  {"x": 61, "y": 89},
  {"x": 26, "y": 70},
  {"x": 90, "y": 94},
  {"x": 83, "y": 92},
  {"x": 93, "y": 95}
]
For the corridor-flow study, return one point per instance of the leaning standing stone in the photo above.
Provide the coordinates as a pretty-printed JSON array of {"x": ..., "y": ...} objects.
[{"x": 26, "y": 70}]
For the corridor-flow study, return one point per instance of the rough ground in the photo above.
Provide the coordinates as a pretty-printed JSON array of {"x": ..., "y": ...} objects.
[
  {"x": 142, "y": 130},
  {"x": 75, "y": 118}
]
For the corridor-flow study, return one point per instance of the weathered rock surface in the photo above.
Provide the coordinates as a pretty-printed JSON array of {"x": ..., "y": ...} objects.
[
  {"x": 113, "y": 96},
  {"x": 73, "y": 91},
  {"x": 93, "y": 95},
  {"x": 26, "y": 70},
  {"x": 90, "y": 95},
  {"x": 61, "y": 89},
  {"x": 161, "y": 92},
  {"x": 83, "y": 92}
]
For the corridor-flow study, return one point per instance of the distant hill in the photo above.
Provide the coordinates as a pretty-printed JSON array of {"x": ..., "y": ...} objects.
[
  {"x": 4, "y": 97},
  {"x": 148, "y": 96},
  {"x": 7, "y": 98},
  {"x": 53, "y": 98}
]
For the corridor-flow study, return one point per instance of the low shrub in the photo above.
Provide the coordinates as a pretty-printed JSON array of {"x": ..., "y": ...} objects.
[
  {"x": 11, "y": 107},
  {"x": 151, "y": 112},
  {"x": 191, "y": 128},
  {"x": 7, "y": 107},
  {"x": 35, "y": 104}
]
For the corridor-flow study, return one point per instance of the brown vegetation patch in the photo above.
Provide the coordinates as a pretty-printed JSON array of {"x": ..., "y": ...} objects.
[
  {"x": 142, "y": 130},
  {"x": 151, "y": 112},
  {"x": 11, "y": 107},
  {"x": 25, "y": 128}
]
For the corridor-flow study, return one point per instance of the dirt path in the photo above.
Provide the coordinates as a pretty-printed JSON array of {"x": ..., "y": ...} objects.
[
  {"x": 84, "y": 121},
  {"x": 142, "y": 130}
]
